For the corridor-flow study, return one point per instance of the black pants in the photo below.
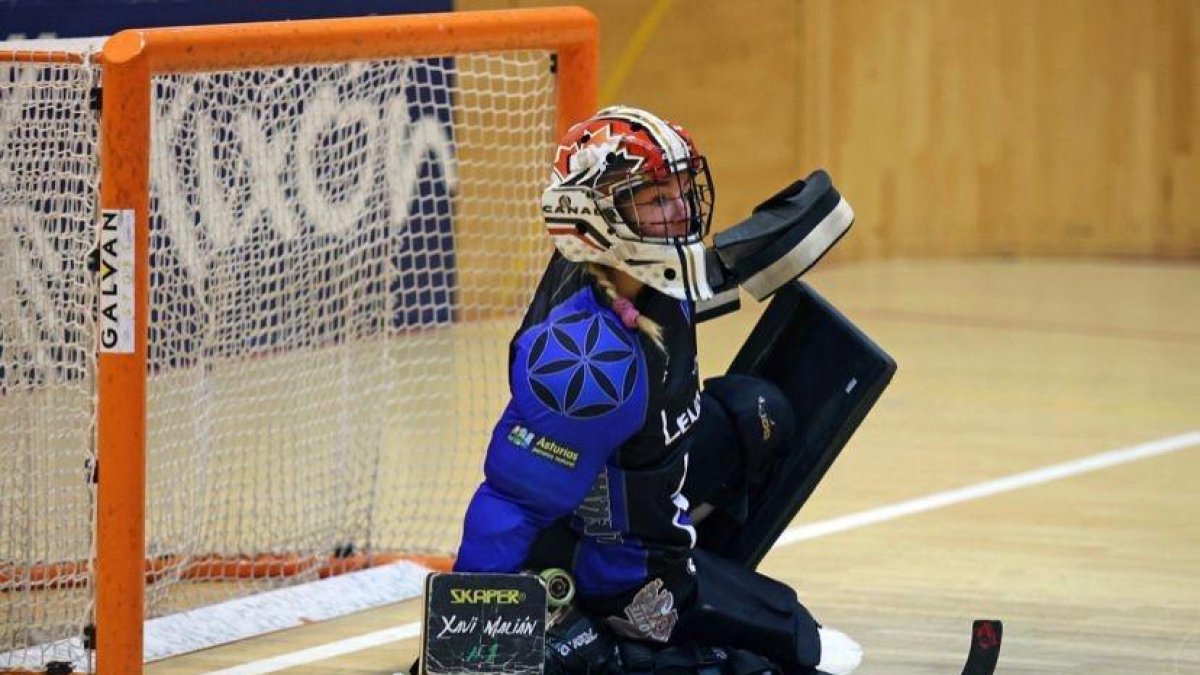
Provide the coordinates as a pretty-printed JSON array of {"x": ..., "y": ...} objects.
[
  {"x": 736, "y": 607},
  {"x": 726, "y": 604}
]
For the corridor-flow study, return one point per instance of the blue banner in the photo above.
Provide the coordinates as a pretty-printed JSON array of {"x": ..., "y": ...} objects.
[
  {"x": 322, "y": 192},
  {"x": 86, "y": 18},
  {"x": 301, "y": 206}
]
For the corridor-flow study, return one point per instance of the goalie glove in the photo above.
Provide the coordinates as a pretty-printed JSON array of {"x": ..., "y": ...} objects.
[{"x": 784, "y": 236}]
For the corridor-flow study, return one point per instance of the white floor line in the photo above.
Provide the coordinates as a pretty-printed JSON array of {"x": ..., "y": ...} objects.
[
  {"x": 937, "y": 500},
  {"x": 823, "y": 528},
  {"x": 325, "y": 651}
]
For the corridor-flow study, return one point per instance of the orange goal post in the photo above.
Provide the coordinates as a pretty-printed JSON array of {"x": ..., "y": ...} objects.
[{"x": 257, "y": 291}]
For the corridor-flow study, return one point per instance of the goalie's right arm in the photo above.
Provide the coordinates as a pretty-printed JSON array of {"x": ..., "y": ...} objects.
[{"x": 531, "y": 479}]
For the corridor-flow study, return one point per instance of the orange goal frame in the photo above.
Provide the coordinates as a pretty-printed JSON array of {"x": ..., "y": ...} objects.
[{"x": 129, "y": 60}]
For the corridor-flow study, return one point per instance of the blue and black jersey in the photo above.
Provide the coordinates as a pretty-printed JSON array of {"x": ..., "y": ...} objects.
[{"x": 597, "y": 431}]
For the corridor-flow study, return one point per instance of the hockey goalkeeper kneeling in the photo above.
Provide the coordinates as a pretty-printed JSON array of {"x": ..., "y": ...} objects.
[{"x": 607, "y": 440}]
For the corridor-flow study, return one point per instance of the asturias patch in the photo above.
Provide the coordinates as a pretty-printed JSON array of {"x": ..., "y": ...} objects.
[{"x": 543, "y": 447}]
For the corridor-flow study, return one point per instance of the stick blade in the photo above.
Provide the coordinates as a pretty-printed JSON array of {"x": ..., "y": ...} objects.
[{"x": 985, "y": 647}]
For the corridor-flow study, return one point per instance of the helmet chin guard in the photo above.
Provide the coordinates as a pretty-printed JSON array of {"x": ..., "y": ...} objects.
[{"x": 600, "y": 165}]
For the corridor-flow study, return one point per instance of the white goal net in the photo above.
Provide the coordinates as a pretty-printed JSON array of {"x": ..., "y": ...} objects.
[
  {"x": 339, "y": 255},
  {"x": 48, "y": 182}
]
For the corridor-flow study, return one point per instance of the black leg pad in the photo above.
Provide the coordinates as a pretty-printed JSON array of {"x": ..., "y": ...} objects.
[{"x": 832, "y": 374}]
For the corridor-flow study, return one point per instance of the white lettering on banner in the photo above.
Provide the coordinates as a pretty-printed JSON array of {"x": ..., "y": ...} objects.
[
  {"x": 116, "y": 302},
  {"x": 334, "y": 216},
  {"x": 27, "y": 308},
  {"x": 41, "y": 252},
  {"x": 266, "y": 161},
  {"x": 392, "y": 144},
  {"x": 19, "y": 79},
  {"x": 419, "y": 138},
  {"x": 275, "y": 179}
]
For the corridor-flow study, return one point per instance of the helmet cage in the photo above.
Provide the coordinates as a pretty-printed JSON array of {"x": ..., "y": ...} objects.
[{"x": 693, "y": 185}]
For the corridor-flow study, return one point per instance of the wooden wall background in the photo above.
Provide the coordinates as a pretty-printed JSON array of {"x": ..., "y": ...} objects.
[{"x": 955, "y": 127}]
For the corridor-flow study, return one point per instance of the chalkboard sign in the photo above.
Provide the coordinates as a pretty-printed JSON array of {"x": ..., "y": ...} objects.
[{"x": 483, "y": 623}]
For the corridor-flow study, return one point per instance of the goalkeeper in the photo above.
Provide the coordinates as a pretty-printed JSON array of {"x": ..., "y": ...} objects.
[{"x": 608, "y": 443}]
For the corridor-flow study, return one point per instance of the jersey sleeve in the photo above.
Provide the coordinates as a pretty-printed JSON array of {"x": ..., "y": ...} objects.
[{"x": 579, "y": 391}]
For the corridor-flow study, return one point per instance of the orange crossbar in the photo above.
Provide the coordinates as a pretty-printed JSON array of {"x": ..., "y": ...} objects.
[
  {"x": 130, "y": 58},
  {"x": 40, "y": 57},
  {"x": 572, "y": 32}
]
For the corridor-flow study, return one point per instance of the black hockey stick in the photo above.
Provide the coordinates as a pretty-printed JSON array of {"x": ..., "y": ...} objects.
[{"x": 985, "y": 647}]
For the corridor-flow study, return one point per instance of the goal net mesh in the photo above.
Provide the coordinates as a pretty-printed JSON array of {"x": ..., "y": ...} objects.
[
  {"x": 339, "y": 255},
  {"x": 48, "y": 181}
]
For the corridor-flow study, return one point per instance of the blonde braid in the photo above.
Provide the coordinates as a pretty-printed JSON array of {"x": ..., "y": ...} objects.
[{"x": 645, "y": 325}]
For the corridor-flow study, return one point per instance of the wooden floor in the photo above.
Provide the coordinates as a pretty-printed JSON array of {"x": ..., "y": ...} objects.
[{"x": 1005, "y": 367}]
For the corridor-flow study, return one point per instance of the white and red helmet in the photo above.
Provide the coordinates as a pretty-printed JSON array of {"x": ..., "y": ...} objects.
[{"x": 600, "y": 164}]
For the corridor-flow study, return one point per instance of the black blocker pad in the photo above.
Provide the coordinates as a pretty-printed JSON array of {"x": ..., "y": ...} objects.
[{"x": 832, "y": 374}]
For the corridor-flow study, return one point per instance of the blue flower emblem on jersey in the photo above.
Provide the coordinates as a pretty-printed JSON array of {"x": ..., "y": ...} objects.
[{"x": 582, "y": 365}]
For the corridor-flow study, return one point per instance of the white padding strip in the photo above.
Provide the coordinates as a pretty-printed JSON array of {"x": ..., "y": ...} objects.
[
  {"x": 35, "y": 658},
  {"x": 282, "y": 608}
]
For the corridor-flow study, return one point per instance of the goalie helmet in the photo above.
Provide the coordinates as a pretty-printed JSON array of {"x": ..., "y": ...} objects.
[{"x": 629, "y": 190}]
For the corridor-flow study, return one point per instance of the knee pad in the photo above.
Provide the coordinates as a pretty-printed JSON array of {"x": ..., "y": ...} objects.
[{"x": 761, "y": 419}]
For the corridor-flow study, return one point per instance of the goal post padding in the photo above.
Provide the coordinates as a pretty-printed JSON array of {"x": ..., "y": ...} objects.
[{"x": 334, "y": 229}]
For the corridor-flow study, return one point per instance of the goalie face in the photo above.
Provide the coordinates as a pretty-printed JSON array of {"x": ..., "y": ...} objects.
[
  {"x": 629, "y": 190},
  {"x": 677, "y": 205}
]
